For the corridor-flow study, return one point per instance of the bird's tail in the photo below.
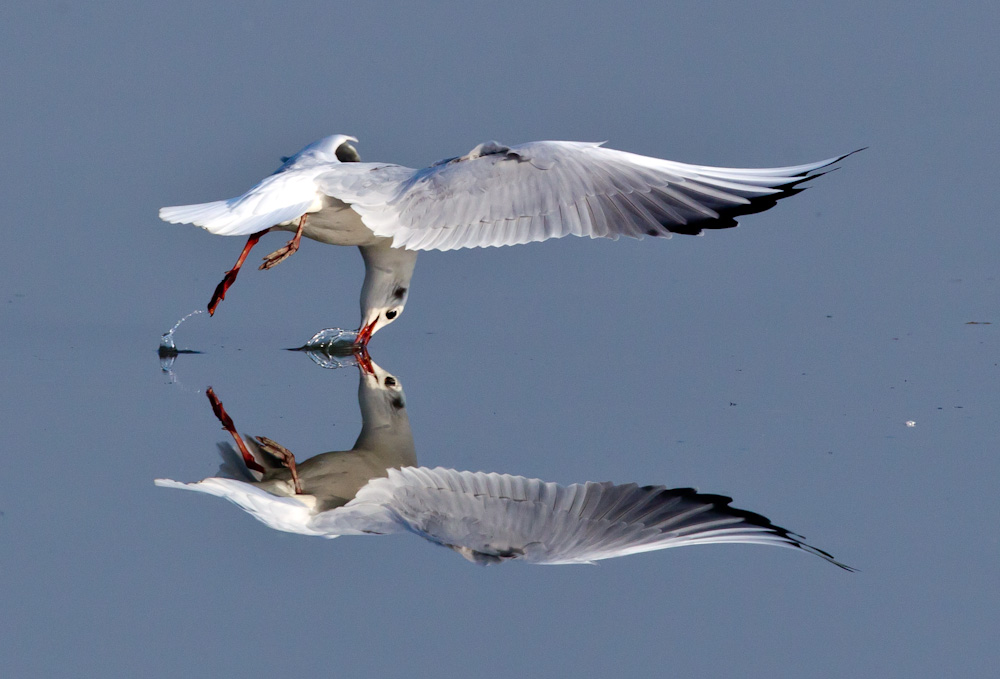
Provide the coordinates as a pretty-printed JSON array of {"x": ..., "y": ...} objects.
[
  {"x": 235, "y": 467},
  {"x": 202, "y": 214},
  {"x": 233, "y": 217}
]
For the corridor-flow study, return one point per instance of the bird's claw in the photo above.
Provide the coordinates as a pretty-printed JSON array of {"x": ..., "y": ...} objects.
[
  {"x": 280, "y": 255},
  {"x": 289, "y": 249}
]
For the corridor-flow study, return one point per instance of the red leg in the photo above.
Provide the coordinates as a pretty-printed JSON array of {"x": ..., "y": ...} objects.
[
  {"x": 220, "y": 289},
  {"x": 289, "y": 249}
]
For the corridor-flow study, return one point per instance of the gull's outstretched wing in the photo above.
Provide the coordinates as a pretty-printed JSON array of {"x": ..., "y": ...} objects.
[
  {"x": 489, "y": 518},
  {"x": 499, "y": 195}
]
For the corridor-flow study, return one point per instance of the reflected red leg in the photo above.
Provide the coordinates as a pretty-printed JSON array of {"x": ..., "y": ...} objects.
[
  {"x": 220, "y": 289},
  {"x": 289, "y": 249},
  {"x": 286, "y": 457},
  {"x": 227, "y": 424}
]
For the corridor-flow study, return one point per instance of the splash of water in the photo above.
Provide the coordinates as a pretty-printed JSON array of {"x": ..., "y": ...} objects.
[
  {"x": 331, "y": 361},
  {"x": 167, "y": 340},
  {"x": 169, "y": 352},
  {"x": 332, "y": 348},
  {"x": 332, "y": 340}
]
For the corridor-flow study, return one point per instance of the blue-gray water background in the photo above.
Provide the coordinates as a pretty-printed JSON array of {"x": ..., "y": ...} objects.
[{"x": 778, "y": 362}]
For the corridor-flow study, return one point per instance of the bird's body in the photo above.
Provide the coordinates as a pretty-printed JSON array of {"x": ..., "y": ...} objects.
[
  {"x": 495, "y": 195},
  {"x": 335, "y": 223}
]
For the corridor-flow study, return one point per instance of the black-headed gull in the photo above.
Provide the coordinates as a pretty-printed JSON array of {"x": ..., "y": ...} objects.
[
  {"x": 376, "y": 489},
  {"x": 494, "y": 195}
]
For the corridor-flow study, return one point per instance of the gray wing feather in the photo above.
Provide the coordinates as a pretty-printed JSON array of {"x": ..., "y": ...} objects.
[
  {"x": 493, "y": 517},
  {"x": 498, "y": 195}
]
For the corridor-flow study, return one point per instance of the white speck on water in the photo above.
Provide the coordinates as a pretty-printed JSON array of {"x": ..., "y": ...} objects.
[{"x": 911, "y": 423}]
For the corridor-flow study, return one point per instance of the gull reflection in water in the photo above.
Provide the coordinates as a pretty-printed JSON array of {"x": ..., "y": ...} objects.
[{"x": 376, "y": 489}]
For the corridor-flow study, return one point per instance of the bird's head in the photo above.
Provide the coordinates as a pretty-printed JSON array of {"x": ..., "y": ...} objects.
[
  {"x": 332, "y": 149},
  {"x": 386, "y": 288},
  {"x": 380, "y": 306}
]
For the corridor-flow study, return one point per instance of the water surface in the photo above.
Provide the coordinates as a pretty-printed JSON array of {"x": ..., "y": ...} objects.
[{"x": 778, "y": 363}]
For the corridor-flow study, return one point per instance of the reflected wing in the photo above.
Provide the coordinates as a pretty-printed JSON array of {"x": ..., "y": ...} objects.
[
  {"x": 492, "y": 517},
  {"x": 281, "y": 513},
  {"x": 499, "y": 195}
]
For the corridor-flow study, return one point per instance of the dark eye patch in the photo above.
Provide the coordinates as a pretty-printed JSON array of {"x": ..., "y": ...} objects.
[{"x": 399, "y": 292}]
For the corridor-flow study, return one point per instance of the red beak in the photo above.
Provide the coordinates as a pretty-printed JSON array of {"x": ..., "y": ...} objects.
[
  {"x": 364, "y": 360},
  {"x": 365, "y": 334}
]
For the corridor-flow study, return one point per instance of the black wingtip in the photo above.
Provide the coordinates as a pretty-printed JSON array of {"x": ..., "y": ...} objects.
[
  {"x": 825, "y": 169},
  {"x": 848, "y": 155}
]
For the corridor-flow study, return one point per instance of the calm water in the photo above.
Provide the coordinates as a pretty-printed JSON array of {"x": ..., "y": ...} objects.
[{"x": 779, "y": 363}]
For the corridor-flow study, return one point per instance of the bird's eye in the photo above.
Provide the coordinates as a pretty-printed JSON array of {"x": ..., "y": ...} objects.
[
  {"x": 391, "y": 314},
  {"x": 390, "y": 382}
]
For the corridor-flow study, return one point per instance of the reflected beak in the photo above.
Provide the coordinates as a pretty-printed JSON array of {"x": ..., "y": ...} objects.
[{"x": 365, "y": 334}]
